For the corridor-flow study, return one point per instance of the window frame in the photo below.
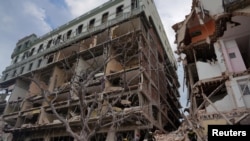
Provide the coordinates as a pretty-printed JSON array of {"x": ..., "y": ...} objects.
[{"x": 244, "y": 86}]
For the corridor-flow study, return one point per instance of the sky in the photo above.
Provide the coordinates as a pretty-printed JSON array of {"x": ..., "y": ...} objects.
[{"x": 20, "y": 18}]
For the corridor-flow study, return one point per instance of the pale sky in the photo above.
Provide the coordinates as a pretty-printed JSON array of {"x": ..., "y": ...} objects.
[{"x": 19, "y": 18}]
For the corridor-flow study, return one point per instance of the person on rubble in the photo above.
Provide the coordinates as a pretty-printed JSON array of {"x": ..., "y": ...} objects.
[{"x": 191, "y": 135}]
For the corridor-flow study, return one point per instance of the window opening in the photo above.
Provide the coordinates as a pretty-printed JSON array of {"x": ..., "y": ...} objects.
[
  {"x": 21, "y": 71},
  {"x": 39, "y": 63},
  {"x": 24, "y": 55},
  {"x": 79, "y": 29},
  {"x": 26, "y": 44},
  {"x": 49, "y": 43},
  {"x": 119, "y": 11},
  {"x": 232, "y": 55},
  {"x": 91, "y": 23},
  {"x": 244, "y": 86},
  {"x": 105, "y": 17},
  {"x": 40, "y": 48},
  {"x": 32, "y": 51},
  {"x": 134, "y": 4},
  {"x": 30, "y": 66},
  {"x": 50, "y": 60},
  {"x": 69, "y": 34},
  {"x": 58, "y": 39},
  {"x": 16, "y": 59}
]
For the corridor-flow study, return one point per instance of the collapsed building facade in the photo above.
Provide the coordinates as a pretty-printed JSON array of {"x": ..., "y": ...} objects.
[
  {"x": 213, "y": 45},
  {"x": 120, "y": 52}
]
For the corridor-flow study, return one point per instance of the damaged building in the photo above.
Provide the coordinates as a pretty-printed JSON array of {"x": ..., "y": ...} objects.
[
  {"x": 109, "y": 74},
  {"x": 213, "y": 43},
  {"x": 3, "y": 136}
]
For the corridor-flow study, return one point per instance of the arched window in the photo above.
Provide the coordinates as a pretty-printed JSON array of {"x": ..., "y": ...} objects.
[
  {"x": 69, "y": 34},
  {"x": 105, "y": 17},
  {"x": 79, "y": 29},
  {"x": 91, "y": 23},
  {"x": 32, "y": 51},
  {"x": 40, "y": 48}
]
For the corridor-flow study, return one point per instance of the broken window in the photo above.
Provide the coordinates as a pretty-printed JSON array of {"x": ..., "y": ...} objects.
[
  {"x": 24, "y": 55},
  {"x": 40, "y": 48},
  {"x": 205, "y": 53},
  {"x": 30, "y": 66},
  {"x": 32, "y": 51},
  {"x": 39, "y": 63},
  {"x": 79, "y": 29},
  {"x": 30, "y": 119},
  {"x": 127, "y": 101},
  {"x": 21, "y": 71},
  {"x": 134, "y": 4},
  {"x": 91, "y": 23},
  {"x": 244, "y": 86},
  {"x": 105, "y": 17},
  {"x": 119, "y": 11},
  {"x": 69, "y": 34},
  {"x": 51, "y": 58},
  {"x": 116, "y": 81},
  {"x": 58, "y": 39},
  {"x": 49, "y": 43}
]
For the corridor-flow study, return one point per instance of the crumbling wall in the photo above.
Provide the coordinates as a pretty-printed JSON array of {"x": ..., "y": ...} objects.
[
  {"x": 221, "y": 103},
  {"x": 20, "y": 90},
  {"x": 57, "y": 79},
  {"x": 213, "y": 67}
]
